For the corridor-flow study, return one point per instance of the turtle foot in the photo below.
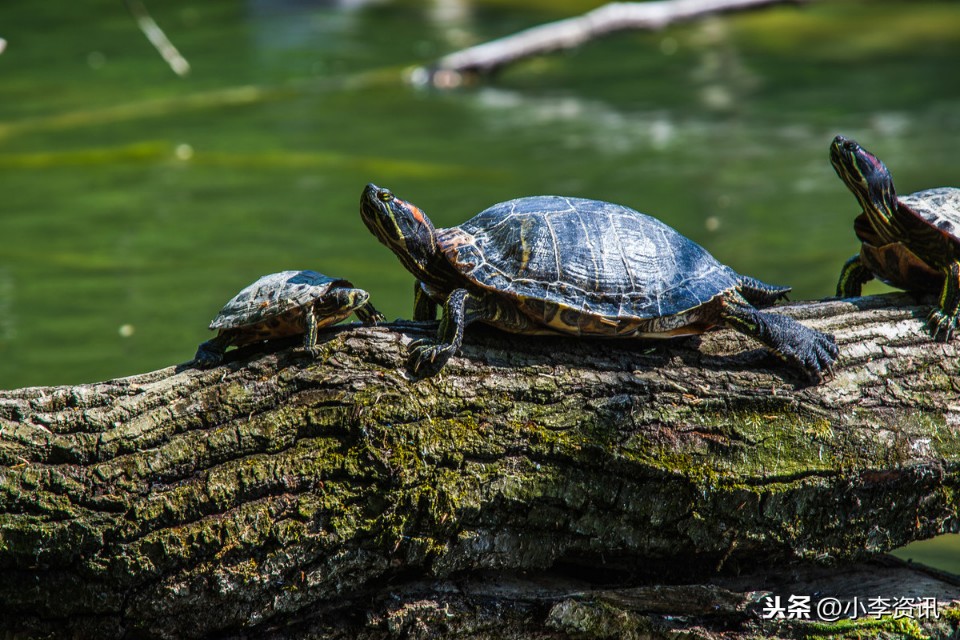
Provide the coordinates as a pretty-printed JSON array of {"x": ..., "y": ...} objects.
[
  {"x": 375, "y": 319},
  {"x": 812, "y": 351},
  {"x": 369, "y": 316},
  {"x": 208, "y": 355},
  {"x": 941, "y": 325},
  {"x": 309, "y": 352},
  {"x": 427, "y": 358},
  {"x": 822, "y": 352}
]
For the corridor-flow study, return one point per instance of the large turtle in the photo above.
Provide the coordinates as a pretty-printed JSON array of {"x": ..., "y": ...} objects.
[
  {"x": 551, "y": 264},
  {"x": 911, "y": 242},
  {"x": 285, "y": 304}
]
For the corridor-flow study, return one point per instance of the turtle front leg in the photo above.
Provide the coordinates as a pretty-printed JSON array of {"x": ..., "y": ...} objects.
[
  {"x": 852, "y": 278},
  {"x": 807, "y": 349},
  {"x": 942, "y": 320},
  {"x": 369, "y": 315},
  {"x": 337, "y": 305},
  {"x": 310, "y": 335},
  {"x": 460, "y": 309},
  {"x": 210, "y": 353}
]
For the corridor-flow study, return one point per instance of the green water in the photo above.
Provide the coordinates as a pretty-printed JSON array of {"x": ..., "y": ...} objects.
[{"x": 135, "y": 203}]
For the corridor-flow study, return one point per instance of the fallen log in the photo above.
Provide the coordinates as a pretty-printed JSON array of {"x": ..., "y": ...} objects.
[{"x": 530, "y": 489}]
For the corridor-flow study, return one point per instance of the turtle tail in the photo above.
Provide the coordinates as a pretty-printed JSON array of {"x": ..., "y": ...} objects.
[{"x": 760, "y": 294}]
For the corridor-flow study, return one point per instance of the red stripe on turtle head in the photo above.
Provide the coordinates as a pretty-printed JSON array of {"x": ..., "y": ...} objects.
[
  {"x": 875, "y": 161},
  {"x": 413, "y": 209}
]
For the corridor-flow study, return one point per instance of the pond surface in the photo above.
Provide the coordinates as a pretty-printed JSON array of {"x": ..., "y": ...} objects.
[{"x": 135, "y": 202}]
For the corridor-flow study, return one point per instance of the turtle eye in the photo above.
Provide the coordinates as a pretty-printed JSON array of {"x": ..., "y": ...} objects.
[{"x": 385, "y": 195}]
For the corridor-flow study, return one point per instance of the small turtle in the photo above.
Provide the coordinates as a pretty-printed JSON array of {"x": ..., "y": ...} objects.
[
  {"x": 285, "y": 304},
  {"x": 910, "y": 242},
  {"x": 551, "y": 264}
]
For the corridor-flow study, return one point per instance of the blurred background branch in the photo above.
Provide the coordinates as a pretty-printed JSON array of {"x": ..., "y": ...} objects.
[
  {"x": 157, "y": 38},
  {"x": 484, "y": 59}
]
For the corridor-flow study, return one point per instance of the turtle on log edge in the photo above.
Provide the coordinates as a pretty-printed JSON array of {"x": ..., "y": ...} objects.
[
  {"x": 552, "y": 264},
  {"x": 910, "y": 242},
  {"x": 285, "y": 304}
]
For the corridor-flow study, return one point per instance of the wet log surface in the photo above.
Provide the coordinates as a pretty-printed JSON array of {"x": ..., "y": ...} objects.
[{"x": 538, "y": 488}]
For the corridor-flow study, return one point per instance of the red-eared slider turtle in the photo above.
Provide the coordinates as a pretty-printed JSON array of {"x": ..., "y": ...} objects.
[
  {"x": 911, "y": 242},
  {"x": 285, "y": 304},
  {"x": 550, "y": 264}
]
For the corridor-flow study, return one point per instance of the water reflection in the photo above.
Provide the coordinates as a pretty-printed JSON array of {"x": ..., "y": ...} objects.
[
  {"x": 579, "y": 123},
  {"x": 724, "y": 79}
]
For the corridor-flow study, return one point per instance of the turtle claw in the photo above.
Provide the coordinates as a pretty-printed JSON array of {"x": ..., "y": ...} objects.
[
  {"x": 811, "y": 351},
  {"x": 827, "y": 352},
  {"x": 818, "y": 358},
  {"x": 941, "y": 325},
  {"x": 369, "y": 316},
  {"x": 428, "y": 358}
]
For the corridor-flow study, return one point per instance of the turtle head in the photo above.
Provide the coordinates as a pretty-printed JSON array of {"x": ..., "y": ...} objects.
[
  {"x": 867, "y": 177},
  {"x": 401, "y": 226}
]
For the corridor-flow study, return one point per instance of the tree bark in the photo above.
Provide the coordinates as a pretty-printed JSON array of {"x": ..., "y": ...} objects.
[
  {"x": 337, "y": 498},
  {"x": 484, "y": 59}
]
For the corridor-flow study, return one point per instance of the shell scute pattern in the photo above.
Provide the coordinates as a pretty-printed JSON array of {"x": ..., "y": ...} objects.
[
  {"x": 274, "y": 296},
  {"x": 939, "y": 207},
  {"x": 586, "y": 258}
]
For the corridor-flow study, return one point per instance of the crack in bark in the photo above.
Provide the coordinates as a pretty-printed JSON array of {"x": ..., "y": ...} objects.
[{"x": 276, "y": 488}]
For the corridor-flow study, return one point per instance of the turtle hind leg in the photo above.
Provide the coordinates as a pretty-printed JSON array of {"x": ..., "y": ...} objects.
[
  {"x": 807, "y": 349},
  {"x": 853, "y": 276},
  {"x": 942, "y": 321},
  {"x": 210, "y": 353},
  {"x": 759, "y": 293}
]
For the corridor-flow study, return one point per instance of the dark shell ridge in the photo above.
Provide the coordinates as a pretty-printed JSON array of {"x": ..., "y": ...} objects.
[{"x": 588, "y": 256}]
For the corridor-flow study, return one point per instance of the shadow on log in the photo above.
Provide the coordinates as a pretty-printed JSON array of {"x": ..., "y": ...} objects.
[{"x": 538, "y": 488}]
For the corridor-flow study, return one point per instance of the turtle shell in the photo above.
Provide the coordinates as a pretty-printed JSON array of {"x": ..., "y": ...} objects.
[
  {"x": 915, "y": 262},
  {"x": 940, "y": 208},
  {"x": 274, "y": 295},
  {"x": 577, "y": 265}
]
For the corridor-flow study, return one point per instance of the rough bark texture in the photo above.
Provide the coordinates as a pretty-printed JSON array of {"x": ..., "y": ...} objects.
[
  {"x": 486, "y": 58},
  {"x": 337, "y": 498}
]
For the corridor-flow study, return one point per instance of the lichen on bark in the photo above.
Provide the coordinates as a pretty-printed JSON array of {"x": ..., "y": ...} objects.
[{"x": 338, "y": 495}]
